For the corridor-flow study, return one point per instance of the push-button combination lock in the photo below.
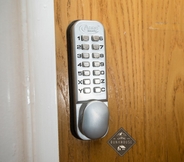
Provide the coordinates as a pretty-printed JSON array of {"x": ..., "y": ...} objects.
[{"x": 87, "y": 77}]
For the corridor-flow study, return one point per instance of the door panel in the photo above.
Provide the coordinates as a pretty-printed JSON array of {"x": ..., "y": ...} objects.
[{"x": 145, "y": 70}]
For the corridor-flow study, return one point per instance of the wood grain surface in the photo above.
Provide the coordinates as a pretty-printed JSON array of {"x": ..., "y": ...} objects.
[{"x": 145, "y": 68}]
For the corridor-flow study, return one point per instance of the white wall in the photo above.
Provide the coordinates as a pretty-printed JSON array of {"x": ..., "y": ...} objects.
[{"x": 28, "y": 103}]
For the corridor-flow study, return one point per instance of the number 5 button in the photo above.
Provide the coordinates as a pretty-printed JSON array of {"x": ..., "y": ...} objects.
[{"x": 86, "y": 72}]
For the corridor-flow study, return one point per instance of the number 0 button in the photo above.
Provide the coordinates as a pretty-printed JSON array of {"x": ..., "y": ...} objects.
[{"x": 96, "y": 72}]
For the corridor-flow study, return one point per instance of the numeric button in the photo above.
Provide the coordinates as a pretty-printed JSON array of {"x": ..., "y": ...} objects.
[
  {"x": 85, "y": 64},
  {"x": 85, "y": 55},
  {"x": 96, "y": 72},
  {"x": 95, "y": 55},
  {"x": 85, "y": 46},
  {"x": 86, "y": 73},
  {"x": 84, "y": 37},
  {"x": 95, "y": 38},
  {"x": 95, "y": 46},
  {"x": 96, "y": 63}
]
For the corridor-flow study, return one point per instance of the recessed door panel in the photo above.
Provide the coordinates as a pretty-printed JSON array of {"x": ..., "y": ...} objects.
[{"x": 145, "y": 73}]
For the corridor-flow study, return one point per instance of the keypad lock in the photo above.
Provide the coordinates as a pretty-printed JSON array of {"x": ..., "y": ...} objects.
[{"x": 87, "y": 79}]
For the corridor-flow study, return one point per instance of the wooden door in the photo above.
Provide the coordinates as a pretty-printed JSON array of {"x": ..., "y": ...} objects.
[{"x": 145, "y": 69}]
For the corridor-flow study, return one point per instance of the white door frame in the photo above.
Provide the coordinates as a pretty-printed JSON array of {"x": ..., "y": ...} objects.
[{"x": 28, "y": 109}]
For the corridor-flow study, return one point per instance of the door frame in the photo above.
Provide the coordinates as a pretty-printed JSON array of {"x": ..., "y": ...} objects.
[{"x": 28, "y": 52}]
